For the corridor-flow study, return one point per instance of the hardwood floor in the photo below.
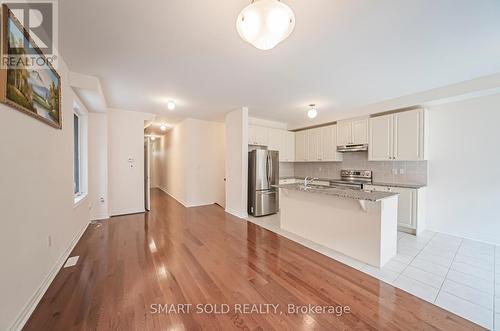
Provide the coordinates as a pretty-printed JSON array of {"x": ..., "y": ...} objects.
[{"x": 203, "y": 255}]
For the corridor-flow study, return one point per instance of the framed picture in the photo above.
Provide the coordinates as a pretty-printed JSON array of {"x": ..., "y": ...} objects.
[{"x": 28, "y": 82}]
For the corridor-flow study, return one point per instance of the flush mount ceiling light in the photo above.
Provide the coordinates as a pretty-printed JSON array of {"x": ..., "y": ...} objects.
[
  {"x": 171, "y": 105},
  {"x": 312, "y": 113},
  {"x": 265, "y": 23},
  {"x": 163, "y": 127},
  {"x": 153, "y": 138}
]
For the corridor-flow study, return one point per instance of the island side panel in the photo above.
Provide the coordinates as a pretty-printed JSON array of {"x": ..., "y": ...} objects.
[
  {"x": 337, "y": 223},
  {"x": 389, "y": 229}
]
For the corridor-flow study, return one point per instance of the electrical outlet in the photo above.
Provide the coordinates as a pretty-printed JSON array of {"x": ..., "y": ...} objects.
[
  {"x": 394, "y": 171},
  {"x": 402, "y": 171},
  {"x": 49, "y": 240}
]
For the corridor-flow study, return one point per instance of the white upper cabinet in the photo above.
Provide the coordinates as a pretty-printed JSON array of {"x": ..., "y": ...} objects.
[
  {"x": 380, "y": 145},
  {"x": 282, "y": 141},
  {"x": 344, "y": 133},
  {"x": 360, "y": 131},
  {"x": 301, "y": 146},
  {"x": 290, "y": 147},
  {"x": 409, "y": 136},
  {"x": 314, "y": 148},
  {"x": 352, "y": 132},
  {"x": 276, "y": 140},
  {"x": 316, "y": 145},
  {"x": 399, "y": 136},
  {"x": 258, "y": 135},
  {"x": 329, "y": 144}
]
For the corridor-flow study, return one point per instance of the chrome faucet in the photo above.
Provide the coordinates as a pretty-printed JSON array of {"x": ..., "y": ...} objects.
[{"x": 308, "y": 181}]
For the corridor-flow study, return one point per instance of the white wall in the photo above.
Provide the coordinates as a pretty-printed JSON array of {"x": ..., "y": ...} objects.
[
  {"x": 126, "y": 179},
  {"x": 156, "y": 162},
  {"x": 98, "y": 165},
  {"x": 193, "y": 162},
  {"x": 173, "y": 173},
  {"x": 206, "y": 163},
  {"x": 463, "y": 196},
  {"x": 36, "y": 200},
  {"x": 237, "y": 162}
]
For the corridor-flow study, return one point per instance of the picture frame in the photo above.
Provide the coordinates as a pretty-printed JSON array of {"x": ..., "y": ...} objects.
[{"x": 33, "y": 90}]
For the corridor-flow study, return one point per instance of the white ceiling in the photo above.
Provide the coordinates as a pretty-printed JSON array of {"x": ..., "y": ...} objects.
[{"x": 342, "y": 54}]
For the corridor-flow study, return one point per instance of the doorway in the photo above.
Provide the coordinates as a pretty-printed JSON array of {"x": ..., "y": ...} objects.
[{"x": 147, "y": 174}]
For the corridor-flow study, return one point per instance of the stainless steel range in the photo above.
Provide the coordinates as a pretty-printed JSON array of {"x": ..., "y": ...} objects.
[{"x": 353, "y": 179}]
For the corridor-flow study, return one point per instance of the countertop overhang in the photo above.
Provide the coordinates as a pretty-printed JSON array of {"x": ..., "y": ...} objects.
[
  {"x": 404, "y": 185},
  {"x": 340, "y": 192}
]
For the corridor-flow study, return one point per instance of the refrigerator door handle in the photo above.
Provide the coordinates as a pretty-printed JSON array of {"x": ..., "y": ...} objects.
[
  {"x": 270, "y": 169},
  {"x": 268, "y": 166}
]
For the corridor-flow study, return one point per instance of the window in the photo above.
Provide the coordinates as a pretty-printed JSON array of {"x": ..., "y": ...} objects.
[
  {"x": 76, "y": 160},
  {"x": 80, "y": 163}
]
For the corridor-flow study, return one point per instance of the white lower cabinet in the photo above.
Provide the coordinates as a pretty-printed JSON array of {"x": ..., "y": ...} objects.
[
  {"x": 407, "y": 207},
  {"x": 411, "y": 212}
]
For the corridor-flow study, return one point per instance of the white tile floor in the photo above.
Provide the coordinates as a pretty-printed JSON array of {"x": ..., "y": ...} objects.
[{"x": 456, "y": 274}]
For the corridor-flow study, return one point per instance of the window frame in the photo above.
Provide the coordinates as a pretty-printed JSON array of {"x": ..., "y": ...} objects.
[
  {"x": 77, "y": 145},
  {"x": 81, "y": 113}
]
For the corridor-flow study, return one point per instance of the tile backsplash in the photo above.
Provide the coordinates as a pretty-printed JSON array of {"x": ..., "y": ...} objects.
[
  {"x": 287, "y": 169},
  {"x": 414, "y": 172}
]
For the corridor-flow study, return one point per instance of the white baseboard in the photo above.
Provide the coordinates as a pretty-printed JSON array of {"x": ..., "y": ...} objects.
[
  {"x": 128, "y": 212},
  {"x": 243, "y": 216},
  {"x": 28, "y": 309},
  {"x": 483, "y": 239},
  {"x": 100, "y": 217},
  {"x": 184, "y": 203},
  {"x": 200, "y": 204},
  {"x": 164, "y": 190}
]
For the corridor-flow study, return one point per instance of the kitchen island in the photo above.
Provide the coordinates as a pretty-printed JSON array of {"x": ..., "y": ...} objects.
[{"x": 360, "y": 224}]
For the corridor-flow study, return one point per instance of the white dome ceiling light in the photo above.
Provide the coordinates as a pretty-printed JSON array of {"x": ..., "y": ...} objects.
[
  {"x": 163, "y": 127},
  {"x": 265, "y": 23},
  {"x": 171, "y": 105},
  {"x": 153, "y": 138},
  {"x": 312, "y": 113}
]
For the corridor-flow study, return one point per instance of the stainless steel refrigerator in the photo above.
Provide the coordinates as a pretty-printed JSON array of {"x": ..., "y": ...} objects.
[{"x": 263, "y": 173}]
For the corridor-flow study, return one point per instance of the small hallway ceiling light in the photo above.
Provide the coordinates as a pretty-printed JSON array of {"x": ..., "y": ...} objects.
[
  {"x": 153, "y": 138},
  {"x": 163, "y": 127},
  {"x": 265, "y": 23},
  {"x": 171, "y": 105},
  {"x": 312, "y": 113}
]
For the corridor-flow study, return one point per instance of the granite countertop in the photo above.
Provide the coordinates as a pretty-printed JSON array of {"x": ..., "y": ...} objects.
[
  {"x": 302, "y": 178},
  {"x": 405, "y": 185},
  {"x": 341, "y": 192}
]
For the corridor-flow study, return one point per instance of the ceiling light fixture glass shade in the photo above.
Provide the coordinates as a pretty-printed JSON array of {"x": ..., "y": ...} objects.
[
  {"x": 153, "y": 138},
  {"x": 171, "y": 105},
  {"x": 265, "y": 23},
  {"x": 312, "y": 113},
  {"x": 163, "y": 127}
]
